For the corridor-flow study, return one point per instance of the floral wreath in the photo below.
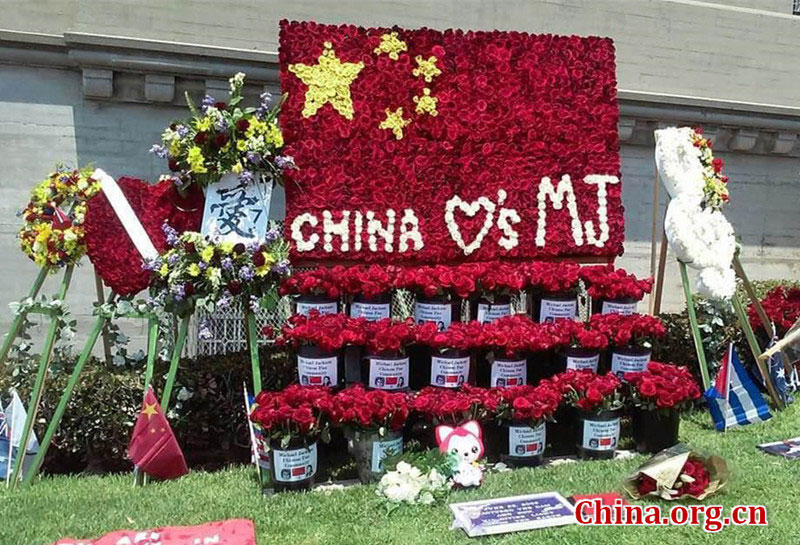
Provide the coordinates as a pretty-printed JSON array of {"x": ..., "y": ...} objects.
[
  {"x": 50, "y": 236},
  {"x": 224, "y": 137},
  {"x": 202, "y": 271}
]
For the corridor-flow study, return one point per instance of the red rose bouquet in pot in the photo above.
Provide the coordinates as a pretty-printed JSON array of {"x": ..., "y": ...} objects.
[
  {"x": 320, "y": 343},
  {"x": 496, "y": 283},
  {"x": 317, "y": 289},
  {"x": 369, "y": 291},
  {"x": 385, "y": 364},
  {"x": 614, "y": 291},
  {"x": 522, "y": 413},
  {"x": 782, "y": 307},
  {"x": 552, "y": 291},
  {"x": 432, "y": 406},
  {"x": 439, "y": 290},
  {"x": 630, "y": 338},
  {"x": 373, "y": 421},
  {"x": 444, "y": 358},
  {"x": 659, "y": 394},
  {"x": 582, "y": 351},
  {"x": 293, "y": 419},
  {"x": 504, "y": 347},
  {"x": 598, "y": 400}
]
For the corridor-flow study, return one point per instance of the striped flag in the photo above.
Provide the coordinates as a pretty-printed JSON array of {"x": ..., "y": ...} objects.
[
  {"x": 735, "y": 400},
  {"x": 784, "y": 384},
  {"x": 259, "y": 451}
]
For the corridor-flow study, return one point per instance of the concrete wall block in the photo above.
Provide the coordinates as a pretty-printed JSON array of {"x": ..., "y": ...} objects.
[
  {"x": 98, "y": 83},
  {"x": 159, "y": 88}
]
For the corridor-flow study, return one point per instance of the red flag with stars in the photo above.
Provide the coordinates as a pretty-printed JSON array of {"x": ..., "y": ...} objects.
[{"x": 153, "y": 447}]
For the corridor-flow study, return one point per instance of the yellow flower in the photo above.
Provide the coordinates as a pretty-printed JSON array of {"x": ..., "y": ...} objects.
[
  {"x": 241, "y": 145},
  {"x": 214, "y": 275},
  {"x": 274, "y": 135},
  {"x": 256, "y": 128},
  {"x": 264, "y": 269},
  {"x": 164, "y": 270},
  {"x": 196, "y": 160},
  {"x": 237, "y": 168},
  {"x": 204, "y": 124},
  {"x": 175, "y": 148},
  {"x": 226, "y": 247},
  {"x": 194, "y": 270},
  {"x": 207, "y": 253}
]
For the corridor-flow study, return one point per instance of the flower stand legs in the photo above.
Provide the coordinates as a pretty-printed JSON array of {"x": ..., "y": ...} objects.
[
  {"x": 38, "y": 385},
  {"x": 12, "y": 333}
]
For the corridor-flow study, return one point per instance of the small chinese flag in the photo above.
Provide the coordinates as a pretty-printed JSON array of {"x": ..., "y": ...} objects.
[
  {"x": 61, "y": 220},
  {"x": 153, "y": 447}
]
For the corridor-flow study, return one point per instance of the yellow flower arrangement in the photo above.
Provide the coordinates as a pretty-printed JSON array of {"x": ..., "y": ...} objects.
[{"x": 52, "y": 232}]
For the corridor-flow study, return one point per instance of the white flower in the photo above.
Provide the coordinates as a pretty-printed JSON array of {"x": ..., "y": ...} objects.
[
  {"x": 301, "y": 243},
  {"x": 678, "y": 162},
  {"x": 700, "y": 238},
  {"x": 716, "y": 284},
  {"x": 470, "y": 209}
]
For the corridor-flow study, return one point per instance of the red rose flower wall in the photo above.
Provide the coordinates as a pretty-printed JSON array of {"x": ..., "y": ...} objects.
[{"x": 429, "y": 146}]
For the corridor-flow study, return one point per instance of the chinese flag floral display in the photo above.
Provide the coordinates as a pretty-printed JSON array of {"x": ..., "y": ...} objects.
[{"x": 428, "y": 146}]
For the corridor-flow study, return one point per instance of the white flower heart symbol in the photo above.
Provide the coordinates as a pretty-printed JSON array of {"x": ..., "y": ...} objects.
[{"x": 470, "y": 209}]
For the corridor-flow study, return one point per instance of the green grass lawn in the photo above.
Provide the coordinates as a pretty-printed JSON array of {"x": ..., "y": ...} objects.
[{"x": 85, "y": 507}]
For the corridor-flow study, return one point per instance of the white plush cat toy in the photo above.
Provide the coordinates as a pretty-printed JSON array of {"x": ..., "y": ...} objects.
[{"x": 465, "y": 444}]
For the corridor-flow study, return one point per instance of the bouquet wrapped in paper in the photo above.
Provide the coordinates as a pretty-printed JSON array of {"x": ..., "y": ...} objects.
[{"x": 676, "y": 473}]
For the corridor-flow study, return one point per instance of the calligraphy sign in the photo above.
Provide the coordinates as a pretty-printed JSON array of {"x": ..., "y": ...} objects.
[
  {"x": 237, "y": 211},
  {"x": 427, "y": 146}
]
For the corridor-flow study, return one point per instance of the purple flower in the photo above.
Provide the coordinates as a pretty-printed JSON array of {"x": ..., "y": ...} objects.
[
  {"x": 152, "y": 265},
  {"x": 182, "y": 130},
  {"x": 172, "y": 259},
  {"x": 271, "y": 235},
  {"x": 208, "y": 101},
  {"x": 171, "y": 234},
  {"x": 254, "y": 306},
  {"x": 224, "y": 302},
  {"x": 253, "y": 157},
  {"x": 222, "y": 125},
  {"x": 263, "y": 109},
  {"x": 178, "y": 292},
  {"x": 202, "y": 265},
  {"x": 282, "y": 267},
  {"x": 159, "y": 150},
  {"x": 285, "y": 162},
  {"x": 227, "y": 264},
  {"x": 246, "y": 177},
  {"x": 246, "y": 273}
]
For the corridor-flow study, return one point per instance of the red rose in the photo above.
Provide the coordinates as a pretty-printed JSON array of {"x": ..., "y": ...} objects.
[
  {"x": 220, "y": 139},
  {"x": 242, "y": 125},
  {"x": 220, "y": 106},
  {"x": 234, "y": 287},
  {"x": 188, "y": 289},
  {"x": 201, "y": 138},
  {"x": 259, "y": 259}
]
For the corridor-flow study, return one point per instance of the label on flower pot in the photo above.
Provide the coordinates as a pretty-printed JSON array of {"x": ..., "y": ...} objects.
[
  {"x": 317, "y": 371},
  {"x": 507, "y": 373},
  {"x": 305, "y": 308},
  {"x": 600, "y": 434},
  {"x": 449, "y": 372},
  {"x": 295, "y": 465},
  {"x": 579, "y": 363},
  {"x": 440, "y": 314},
  {"x": 388, "y": 374},
  {"x": 615, "y": 307},
  {"x": 371, "y": 311},
  {"x": 555, "y": 309},
  {"x": 628, "y": 363},
  {"x": 526, "y": 441},
  {"x": 383, "y": 449},
  {"x": 489, "y": 313}
]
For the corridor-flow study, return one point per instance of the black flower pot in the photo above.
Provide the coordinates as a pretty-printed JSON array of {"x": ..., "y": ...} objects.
[
  {"x": 441, "y": 310},
  {"x": 304, "y": 304},
  {"x": 653, "y": 431},
  {"x": 499, "y": 370},
  {"x": 561, "y": 432},
  {"x": 488, "y": 308},
  {"x": 372, "y": 308},
  {"x": 386, "y": 371},
  {"x": 623, "y": 305},
  {"x": 369, "y": 450},
  {"x": 549, "y": 307},
  {"x": 317, "y": 367},
  {"x": 420, "y": 430},
  {"x": 577, "y": 358},
  {"x": 626, "y": 359},
  {"x": 447, "y": 368},
  {"x": 597, "y": 434},
  {"x": 293, "y": 466},
  {"x": 522, "y": 445}
]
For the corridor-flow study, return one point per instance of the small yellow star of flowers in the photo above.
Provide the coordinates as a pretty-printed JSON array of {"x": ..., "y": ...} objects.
[
  {"x": 394, "y": 121},
  {"x": 426, "y": 104},
  {"x": 328, "y": 81},
  {"x": 391, "y": 44},
  {"x": 426, "y": 68},
  {"x": 149, "y": 410}
]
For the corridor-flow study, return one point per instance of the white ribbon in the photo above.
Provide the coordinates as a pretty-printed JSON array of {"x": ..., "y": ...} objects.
[{"x": 126, "y": 215}]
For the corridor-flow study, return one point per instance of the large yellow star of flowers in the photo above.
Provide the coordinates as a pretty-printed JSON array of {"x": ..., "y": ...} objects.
[
  {"x": 328, "y": 81},
  {"x": 394, "y": 121}
]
